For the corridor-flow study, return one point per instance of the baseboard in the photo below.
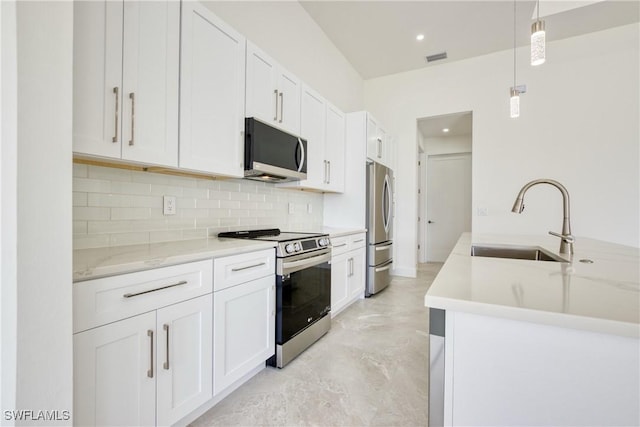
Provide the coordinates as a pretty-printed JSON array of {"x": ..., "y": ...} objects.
[{"x": 405, "y": 272}]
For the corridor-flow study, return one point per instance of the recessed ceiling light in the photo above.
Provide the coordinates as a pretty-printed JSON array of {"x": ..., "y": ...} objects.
[
  {"x": 420, "y": 37},
  {"x": 445, "y": 130}
]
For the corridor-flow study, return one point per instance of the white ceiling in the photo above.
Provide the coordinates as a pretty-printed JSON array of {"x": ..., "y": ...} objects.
[
  {"x": 378, "y": 37},
  {"x": 459, "y": 124}
]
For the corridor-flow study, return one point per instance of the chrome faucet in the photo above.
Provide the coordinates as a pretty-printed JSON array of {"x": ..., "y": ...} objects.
[{"x": 566, "y": 238}]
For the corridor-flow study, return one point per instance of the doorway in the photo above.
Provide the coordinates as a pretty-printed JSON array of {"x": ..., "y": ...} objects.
[{"x": 444, "y": 183}]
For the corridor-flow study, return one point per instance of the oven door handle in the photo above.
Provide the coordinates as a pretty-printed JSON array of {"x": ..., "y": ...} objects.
[{"x": 293, "y": 266}]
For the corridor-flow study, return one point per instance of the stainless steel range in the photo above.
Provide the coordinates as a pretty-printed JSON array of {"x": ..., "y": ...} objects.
[{"x": 303, "y": 289}]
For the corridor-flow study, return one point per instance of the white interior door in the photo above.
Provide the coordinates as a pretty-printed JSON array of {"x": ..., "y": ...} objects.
[{"x": 448, "y": 202}]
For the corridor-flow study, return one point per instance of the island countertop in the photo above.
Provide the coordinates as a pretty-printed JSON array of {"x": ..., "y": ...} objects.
[{"x": 602, "y": 296}]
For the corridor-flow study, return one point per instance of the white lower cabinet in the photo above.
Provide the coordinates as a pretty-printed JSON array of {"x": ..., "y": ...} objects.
[
  {"x": 142, "y": 353},
  {"x": 347, "y": 271},
  {"x": 244, "y": 330},
  {"x": 154, "y": 368}
]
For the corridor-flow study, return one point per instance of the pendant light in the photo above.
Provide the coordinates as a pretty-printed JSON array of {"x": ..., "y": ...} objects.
[
  {"x": 537, "y": 39},
  {"x": 514, "y": 101}
]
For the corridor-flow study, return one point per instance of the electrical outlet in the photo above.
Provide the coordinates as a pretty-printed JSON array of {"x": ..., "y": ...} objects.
[
  {"x": 169, "y": 205},
  {"x": 483, "y": 211},
  {"x": 290, "y": 207}
]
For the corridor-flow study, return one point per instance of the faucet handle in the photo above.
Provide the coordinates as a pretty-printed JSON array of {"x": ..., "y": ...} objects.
[{"x": 568, "y": 238}]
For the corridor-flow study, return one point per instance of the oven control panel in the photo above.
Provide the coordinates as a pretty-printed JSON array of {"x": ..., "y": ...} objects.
[{"x": 305, "y": 245}]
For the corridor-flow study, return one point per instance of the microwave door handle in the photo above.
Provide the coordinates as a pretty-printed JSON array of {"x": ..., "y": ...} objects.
[{"x": 302, "y": 157}]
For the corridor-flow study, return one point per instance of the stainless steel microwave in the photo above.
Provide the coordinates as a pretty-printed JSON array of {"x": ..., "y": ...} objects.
[{"x": 273, "y": 155}]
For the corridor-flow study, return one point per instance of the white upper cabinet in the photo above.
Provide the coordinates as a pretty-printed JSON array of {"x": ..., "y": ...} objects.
[
  {"x": 378, "y": 143},
  {"x": 335, "y": 148},
  {"x": 272, "y": 93},
  {"x": 126, "y": 65},
  {"x": 212, "y": 73},
  {"x": 323, "y": 126}
]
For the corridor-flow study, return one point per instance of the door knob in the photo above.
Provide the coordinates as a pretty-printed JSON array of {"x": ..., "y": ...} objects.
[{"x": 430, "y": 222}]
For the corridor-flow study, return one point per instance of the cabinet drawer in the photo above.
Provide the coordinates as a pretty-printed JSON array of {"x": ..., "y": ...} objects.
[
  {"x": 339, "y": 245},
  {"x": 232, "y": 270},
  {"x": 101, "y": 301},
  {"x": 357, "y": 241}
]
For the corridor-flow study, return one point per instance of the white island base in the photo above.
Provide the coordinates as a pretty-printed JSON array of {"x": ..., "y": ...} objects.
[{"x": 504, "y": 372}]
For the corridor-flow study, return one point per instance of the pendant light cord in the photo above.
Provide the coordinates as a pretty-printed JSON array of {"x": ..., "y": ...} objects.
[{"x": 514, "y": 44}]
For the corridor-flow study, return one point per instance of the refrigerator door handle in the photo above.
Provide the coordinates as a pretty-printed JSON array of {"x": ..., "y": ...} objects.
[{"x": 386, "y": 203}]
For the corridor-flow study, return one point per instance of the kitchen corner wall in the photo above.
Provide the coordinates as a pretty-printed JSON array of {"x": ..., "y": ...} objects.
[{"x": 116, "y": 207}]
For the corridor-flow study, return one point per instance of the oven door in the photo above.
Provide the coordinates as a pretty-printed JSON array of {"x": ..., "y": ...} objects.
[{"x": 303, "y": 293}]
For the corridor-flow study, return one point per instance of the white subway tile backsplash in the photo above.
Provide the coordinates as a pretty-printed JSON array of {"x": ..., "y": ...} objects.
[
  {"x": 90, "y": 213},
  {"x": 130, "y": 213},
  {"x": 115, "y": 207},
  {"x": 79, "y": 199},
  {"x": 91, "y": 185},
  {"x": 121, "y": 187}
]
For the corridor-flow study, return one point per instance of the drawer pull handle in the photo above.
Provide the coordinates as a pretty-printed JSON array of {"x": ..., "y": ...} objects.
[
  {"x": 165, "y": 365},
  {"x": 248, "y": 267},
  {"x": 340, "y": 245},
  {"x": 180, "y": 283},
  {"x": 358, "y": 241},
  {"x": 150, "y": 371}
]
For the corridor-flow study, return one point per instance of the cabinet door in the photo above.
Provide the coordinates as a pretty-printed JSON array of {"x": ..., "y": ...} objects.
[
  {"x": 97, "y": 82},
  {"x": 373, "y": 142},
  {"x": 185, "y": 358},
  {"x": 335, "y": 148},
  {"x": 150, "y": 81},
  {"x": 357, "y": 273},
  {"x": 243, "y": 331},
  {"x": 339, "y": 273},
  {"x": 212, "y": 77},
  {"x": 312, "y": 129},
  {"x": 290, "y": 92},
  {"x": 383, "y": 151},
  {"x": 261, "y": 86},
  {"x": 114, "y": 373}
]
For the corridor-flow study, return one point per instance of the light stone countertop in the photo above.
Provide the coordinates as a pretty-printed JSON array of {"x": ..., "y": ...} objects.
[
  {"x": 339, "y": 232},
  {"x": 600, "y": 297},
  {"x": 100, "y": 262}
]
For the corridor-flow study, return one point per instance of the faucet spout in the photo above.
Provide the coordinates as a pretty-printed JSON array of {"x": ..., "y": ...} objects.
[{"x": 566, "y": 238}]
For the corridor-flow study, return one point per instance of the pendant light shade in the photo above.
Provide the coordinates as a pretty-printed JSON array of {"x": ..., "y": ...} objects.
[
  {"x": 537, "y": 43},
  {"x": 515, "y": 103}
]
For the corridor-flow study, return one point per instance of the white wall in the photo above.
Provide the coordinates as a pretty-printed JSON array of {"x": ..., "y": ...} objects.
[
  {"x": 44, "y": 357},
  {"x": 8, "y": 213},
  {"x": 447, "y": 144},
  {"x": 287, "y": 33},
  {"x": 578, "y": 124}
]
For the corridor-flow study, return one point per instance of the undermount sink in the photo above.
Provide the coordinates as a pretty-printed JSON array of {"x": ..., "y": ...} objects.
[{"x": 532, "y": 253}]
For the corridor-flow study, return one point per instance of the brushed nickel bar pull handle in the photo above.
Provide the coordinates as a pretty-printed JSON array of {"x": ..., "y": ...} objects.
[
  {"x": 180, "y": 283},
  {"x": 281, "y": 106},
  {"x": 165, "y": 365},
  {"x": 350, "y": 267},
  {"x": 116, "y": 90},
  {"x": 275, "y": 119},
  {"x": 132, "y": 96},
  {"x": 248, "y": 267},
  {"x": 329, "y": 174},
  {"x": 150, "y": 371},
  {"x": 379, "y": 148},
  {"x": 340, "y": 245},
  {"x": 358, "y": 241}
]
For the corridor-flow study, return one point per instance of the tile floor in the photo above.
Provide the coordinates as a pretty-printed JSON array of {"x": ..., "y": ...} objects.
[{"x": 369, "y": 370}]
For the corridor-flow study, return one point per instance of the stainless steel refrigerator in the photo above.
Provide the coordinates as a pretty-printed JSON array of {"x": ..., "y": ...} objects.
[{"x": 379, "y": 227}]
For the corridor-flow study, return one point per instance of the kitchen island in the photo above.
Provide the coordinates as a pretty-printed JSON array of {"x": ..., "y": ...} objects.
[{"x": 540, "y": 342}]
